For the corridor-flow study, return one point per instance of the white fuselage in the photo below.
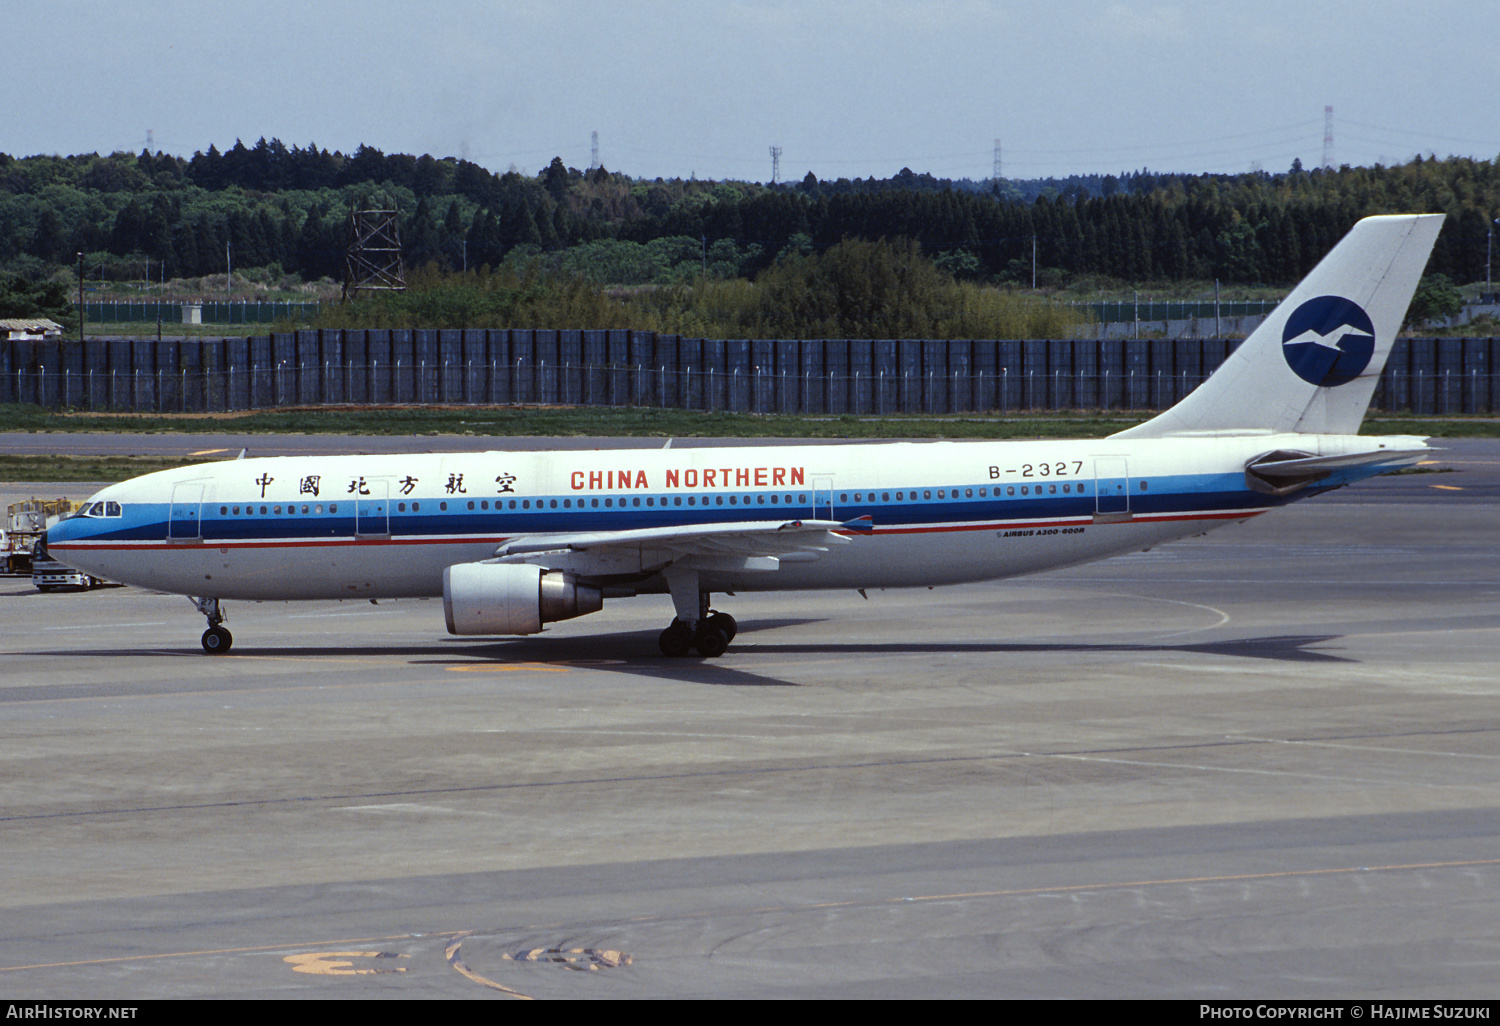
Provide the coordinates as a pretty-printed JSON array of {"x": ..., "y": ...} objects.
[{"x": 321, "y": 527}]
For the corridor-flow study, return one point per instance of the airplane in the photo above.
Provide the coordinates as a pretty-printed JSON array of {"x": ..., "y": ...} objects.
[{"x": 515, "y": 540}]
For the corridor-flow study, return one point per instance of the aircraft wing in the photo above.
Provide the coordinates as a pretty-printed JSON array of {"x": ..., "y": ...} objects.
[{"x": 742, "y": 545}]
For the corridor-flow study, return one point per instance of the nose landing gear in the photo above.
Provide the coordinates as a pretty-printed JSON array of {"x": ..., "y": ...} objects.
[{"x": 217, "y": 639}]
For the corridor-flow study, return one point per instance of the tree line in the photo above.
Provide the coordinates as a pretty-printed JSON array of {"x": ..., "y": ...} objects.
[{"x": 288, "y": 208}]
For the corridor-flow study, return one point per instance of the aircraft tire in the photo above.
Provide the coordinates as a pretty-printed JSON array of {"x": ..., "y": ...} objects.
[
  {"x": 675, "y": 641},
  {"x": 723, "y": 622},
  {"x": 217, "y": 641},
  {"x": 711, "y": 642}
]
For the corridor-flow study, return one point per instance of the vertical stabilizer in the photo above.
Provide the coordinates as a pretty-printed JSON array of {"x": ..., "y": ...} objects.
[{"x": 1312, "y": 365}]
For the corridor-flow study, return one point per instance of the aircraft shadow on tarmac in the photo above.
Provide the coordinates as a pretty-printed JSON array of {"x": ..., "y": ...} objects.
[
  {"x": 635, "y": 648},
  {"x": 633, "y": 653}
]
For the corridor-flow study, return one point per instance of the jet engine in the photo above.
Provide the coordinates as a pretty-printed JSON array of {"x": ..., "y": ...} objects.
[{"x": 505, "y": 598}]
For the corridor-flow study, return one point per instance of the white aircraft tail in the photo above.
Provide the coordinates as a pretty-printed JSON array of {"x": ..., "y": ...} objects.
[{"x": 1312, "y": 365}]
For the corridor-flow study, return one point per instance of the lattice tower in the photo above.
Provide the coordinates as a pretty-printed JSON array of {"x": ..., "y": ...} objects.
[{"x": 374, "y": 254}]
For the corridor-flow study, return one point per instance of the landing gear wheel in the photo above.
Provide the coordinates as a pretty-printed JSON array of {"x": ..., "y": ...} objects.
[
  {"x": 675, "y": 640},
  {"x": 217, "y": 641},
  {"x": 723, "y": 622},
  {"x": 711, "y": 642}
]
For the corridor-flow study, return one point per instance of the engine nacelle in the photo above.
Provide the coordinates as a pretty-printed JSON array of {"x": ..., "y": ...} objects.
[{"x": 504, "y": 598}]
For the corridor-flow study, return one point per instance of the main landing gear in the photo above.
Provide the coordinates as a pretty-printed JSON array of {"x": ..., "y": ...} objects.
[
  {"x": 217, "y": 639},
  {"x": 695, "y": 626},
  {"x": 710, "y": 636}
]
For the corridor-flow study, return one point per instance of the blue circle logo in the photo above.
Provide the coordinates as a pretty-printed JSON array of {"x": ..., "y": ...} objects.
[{"x": 1328, "y": 341}]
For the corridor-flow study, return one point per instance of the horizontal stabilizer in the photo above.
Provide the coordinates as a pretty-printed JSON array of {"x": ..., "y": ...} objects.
[{"x": 1282, "y": 472}]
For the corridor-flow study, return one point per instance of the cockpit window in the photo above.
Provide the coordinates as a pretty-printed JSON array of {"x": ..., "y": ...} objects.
[{"x": 100, "y": 509}]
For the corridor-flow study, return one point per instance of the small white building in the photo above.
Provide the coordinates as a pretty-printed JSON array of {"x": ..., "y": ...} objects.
[{"x": 30, "y": 329}]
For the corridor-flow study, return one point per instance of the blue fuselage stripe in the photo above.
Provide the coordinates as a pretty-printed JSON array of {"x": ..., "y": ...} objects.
[{"x": 1160, "y": 496}]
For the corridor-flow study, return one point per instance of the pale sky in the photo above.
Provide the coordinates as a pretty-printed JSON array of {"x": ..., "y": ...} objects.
[{"x": 846, "y": 88}]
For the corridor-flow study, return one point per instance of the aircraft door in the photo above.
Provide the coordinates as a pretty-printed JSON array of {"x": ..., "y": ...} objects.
[
  {"x": 822, "y": 498},
  {"x": 372, "y": 510},
  {"x": 1111, "y": 485},
  {"x": 184, "y": 517}
]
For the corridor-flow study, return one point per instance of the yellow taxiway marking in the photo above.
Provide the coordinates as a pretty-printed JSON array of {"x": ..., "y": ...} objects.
[
  {"x": 225, "y": 951},
  {"x": 506, "y": 667},
  {"x": 1447, "y": 488},
  {"x": 206, "y": 452},
  {"x": 322, "y": 963},
  {"x": 451, "y": 954}
]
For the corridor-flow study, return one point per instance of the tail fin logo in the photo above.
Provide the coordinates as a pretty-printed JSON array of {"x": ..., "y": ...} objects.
[{"x": 1328, "y": 341}]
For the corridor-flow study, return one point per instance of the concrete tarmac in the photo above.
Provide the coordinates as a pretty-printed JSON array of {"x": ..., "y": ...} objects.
[{"x": 1258, "y": 764}]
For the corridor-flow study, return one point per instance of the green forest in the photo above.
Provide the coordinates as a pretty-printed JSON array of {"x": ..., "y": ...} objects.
[{"x": 674, "y": 254}]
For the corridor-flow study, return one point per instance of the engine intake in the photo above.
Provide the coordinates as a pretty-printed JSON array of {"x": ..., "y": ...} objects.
[{"x": 501, "y": 598}]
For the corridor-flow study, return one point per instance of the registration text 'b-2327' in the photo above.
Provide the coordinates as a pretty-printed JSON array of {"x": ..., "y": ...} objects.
[{"x": 515, "y": 540}]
